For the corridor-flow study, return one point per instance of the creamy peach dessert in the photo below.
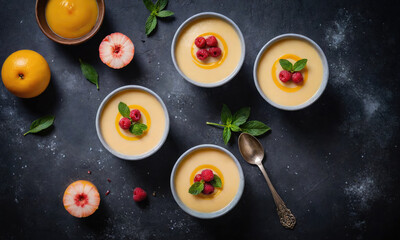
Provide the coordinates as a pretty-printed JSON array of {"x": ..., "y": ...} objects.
[
  {"x": 207, "y": 180},
  {"x": 132, "y": 122},
  {"x": 277, "y": 75},
  {"x": 208, "y": 50}
]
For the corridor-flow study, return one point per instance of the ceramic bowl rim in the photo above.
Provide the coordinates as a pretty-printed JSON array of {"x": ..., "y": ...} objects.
[
  {"x": 204, "y": 15},
  {"x": 132, "y": 157},
  {"x": 222, "y": 211},
  {"x": 325, "y": 75}
]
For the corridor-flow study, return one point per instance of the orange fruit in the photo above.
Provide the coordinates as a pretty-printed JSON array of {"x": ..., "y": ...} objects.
[
  {"x": 25, "y": 73},
  {"x": 81, "y": 199}
]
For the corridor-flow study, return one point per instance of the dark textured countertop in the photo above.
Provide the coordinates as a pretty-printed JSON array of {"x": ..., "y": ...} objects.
[{"x": 335, "y": 163}]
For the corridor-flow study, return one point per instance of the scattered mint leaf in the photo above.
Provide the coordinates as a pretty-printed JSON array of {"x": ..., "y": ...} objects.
[
  {"x": 237, "y": 123},
  {"x": 164, "y": 13},
  {"x": 161, "y": 4},
  {"x": 226, "y": 135},
  {"x": 216, "y": 182},
  {"x": 149, "y": 5},
  {"x": 286, "y": 65},
  {"x": 226, "y": 115},
  {"x": 299, "y": 65},
  {"x": 241, "y": 116},
  {"x": 156, "y": 10},
  {"x": 90, "y": 73},
  {"x": 124, "y": 109},
  {"x": 151, "y": 24},
  {"x": 196, "y": 188},
  {"x": 255, "y": 128},
  {"x": 138, "y": 128},
  {"x": 40, "y": 124}
]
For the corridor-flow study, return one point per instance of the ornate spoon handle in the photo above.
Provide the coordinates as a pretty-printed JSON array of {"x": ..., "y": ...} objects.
[{"x": 286, "y": 217}]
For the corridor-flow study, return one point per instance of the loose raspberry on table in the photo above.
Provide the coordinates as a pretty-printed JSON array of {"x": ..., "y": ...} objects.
[
  {"x": 200, "y": 42},
  {"x": 207, "y": 175},
  {"x": 208, "y": 188},
  {"x": 285, "y": 76},
  {"x": 198, "y": 178},
  {"x": 202, "y": 54},
  {"x": 139, "y": 194},
  {"x": 125, "y": 123},
  {"x": 214, "y": 51},
  {"x": 297, "y": 77},
  {"x": 212, "y": 41},
  {"x": 135, "y": 115}
]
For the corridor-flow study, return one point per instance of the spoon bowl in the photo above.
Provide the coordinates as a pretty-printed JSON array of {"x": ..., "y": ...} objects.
[{"x": 251, "y": 149}]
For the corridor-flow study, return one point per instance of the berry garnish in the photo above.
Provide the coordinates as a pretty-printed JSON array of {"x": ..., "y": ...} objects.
[
  {"x": 285, "y": 76},
  {"x": 212, "y": 41},
  {"x": 202, "y": 54},
  {"x": 207, "y": 175},
  {"x": 297, "y": 77},
  {"x": 139, "y": 194},
  {"x": 200, "y": 42},
  {"x": 135, "y": 115},
  {"x": 198, "y": 178},
  {"x": 125, "y": 123},
  {"x": 214, "y": 51},
  {"x": 208, "y": 188}
]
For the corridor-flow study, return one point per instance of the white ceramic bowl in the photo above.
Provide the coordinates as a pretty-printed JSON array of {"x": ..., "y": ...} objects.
[
  {"x": 132, "y": 157},
  {"x": 204, "y": 15},
  {"x": 220, "y": 212},
  {"x": 325, "y": 75}
]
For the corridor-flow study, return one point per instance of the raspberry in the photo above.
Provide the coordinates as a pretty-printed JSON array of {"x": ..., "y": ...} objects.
[
  {"x": 297, "y": 77},
  {"x": 214, "y": 51},
  {"x": 139, "y": 194},
  {"x": 200, "y": 42},
  {"x": 208, "y": 188},
  {"x": 285, "y": 76},
  {"x": 207, "y": 175},
  {"x": 198, "y": 178},
  {"x": 202, "y": 54},
  {"x": 135, "y": 115},
  {"x": 212, "y": 41},
  {"x": 125, "y": 123}
]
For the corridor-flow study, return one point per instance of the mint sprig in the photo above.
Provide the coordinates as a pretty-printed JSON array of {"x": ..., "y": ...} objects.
[
  {"x": 198, "y": 187},
  {"x": 136, "y": 128},
  {"x": 156, "y": 10},
  {"x": 90, "y": 73},
  {"x": 238, "y": 123},
  {"x": 41, "y": 124},
  {"x": 288, "y": 66}
]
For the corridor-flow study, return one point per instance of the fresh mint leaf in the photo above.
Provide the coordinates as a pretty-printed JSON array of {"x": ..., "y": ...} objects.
[
  {"x": 196, "y": 188},
  {"x": 138, "y": 128},
  {"x": 40, "y": 124},
  {"x": 90, "y": 73},
  {"x": 241, "y": 116},
  {"x": 164, "y": 13},
  {"x": 161, "y": 4},
  {"x": 299, "y": 65},
  {"x": 216, "y": 182},
  {"x": 149, "y": 5},
  {"x": 226, "y": 135},
  {"x": 151, "y": 24},
  {"x": 286, "y": 65},
  {"x": 235, "y": 128},
  {"x": 124, "y": 109},
  {"x": 226, "y": 115},
  {"x": 255, "y": 128}
]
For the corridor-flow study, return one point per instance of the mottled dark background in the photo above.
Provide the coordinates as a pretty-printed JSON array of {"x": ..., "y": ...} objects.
[{"x": 336, "y": 163}]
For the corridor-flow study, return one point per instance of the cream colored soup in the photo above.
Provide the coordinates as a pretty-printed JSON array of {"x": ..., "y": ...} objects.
[
  {"x": 289, "y": 94},
  {"x": 122, "y": 140},
  {"x": 222, "y": 164},
  {"x": 211, "y": 70}
]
